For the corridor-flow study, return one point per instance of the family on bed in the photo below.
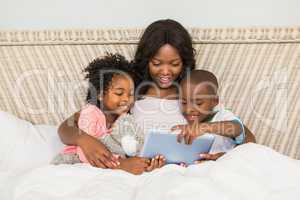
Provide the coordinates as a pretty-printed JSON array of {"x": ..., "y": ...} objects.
[{"x": 159, "y": 89}]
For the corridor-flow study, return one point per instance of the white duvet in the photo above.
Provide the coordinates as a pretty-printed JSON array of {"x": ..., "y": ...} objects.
[{"x": 250, "y": 171}]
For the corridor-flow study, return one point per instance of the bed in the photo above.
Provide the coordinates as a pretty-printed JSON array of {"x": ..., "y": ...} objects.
[{"x": 41, "y": 84}]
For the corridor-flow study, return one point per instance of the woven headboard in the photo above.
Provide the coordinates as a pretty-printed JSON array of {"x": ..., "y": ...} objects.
[{"x": 258, "y": 70}]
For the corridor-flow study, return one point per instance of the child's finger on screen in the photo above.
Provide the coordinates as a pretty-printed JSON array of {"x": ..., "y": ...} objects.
[
  {"x": 179, "y": 138},
  {"x": 182, "y": 134},
  {"x": 174, "y": 128},
  {"x": 186, "y": 138},
  {"x": 191, "y": 139}
]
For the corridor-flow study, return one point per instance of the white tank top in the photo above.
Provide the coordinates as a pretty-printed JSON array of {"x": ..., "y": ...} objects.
[{"x": 153, "y": 113}]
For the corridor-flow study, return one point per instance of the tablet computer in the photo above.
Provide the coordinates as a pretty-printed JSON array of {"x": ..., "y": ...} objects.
[{"x": 162, "y": 143}]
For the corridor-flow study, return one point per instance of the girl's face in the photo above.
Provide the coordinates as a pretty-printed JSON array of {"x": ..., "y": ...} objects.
[
  {"x": 165, "y": 66},
  {"x": 119, "y": 98}
]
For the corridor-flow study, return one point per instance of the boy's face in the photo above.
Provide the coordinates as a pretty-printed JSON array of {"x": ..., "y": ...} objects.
[
  {"x": 197, "y": 101},
  {"x": 120, "y": 96}
]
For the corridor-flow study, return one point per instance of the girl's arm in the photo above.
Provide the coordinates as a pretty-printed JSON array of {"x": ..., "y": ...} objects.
[{"x": 95, "y": 152}]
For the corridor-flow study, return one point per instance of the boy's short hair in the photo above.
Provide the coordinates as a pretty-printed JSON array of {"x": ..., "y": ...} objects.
[{"x": 196, "y": 77}]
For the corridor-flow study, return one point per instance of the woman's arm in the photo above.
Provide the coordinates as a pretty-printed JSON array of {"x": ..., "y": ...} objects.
[
  {"x": 68, "y": 130},
  {"x": 249, "y": 136},
  {"x": 95, "y": 152}
]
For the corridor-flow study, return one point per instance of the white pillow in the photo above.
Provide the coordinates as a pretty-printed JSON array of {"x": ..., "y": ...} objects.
[{"x": 24, "y": 146}]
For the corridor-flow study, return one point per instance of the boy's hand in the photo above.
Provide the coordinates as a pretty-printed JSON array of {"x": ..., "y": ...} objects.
[
  {"x": 209, "y": 157},
  {"x": 156, "y": 162},
  {"x": 190, "y": 132},
  {"x": 134, "y": 165},
  {"x": 183, "y": 165},
  {"x": 96, "y": 153}
]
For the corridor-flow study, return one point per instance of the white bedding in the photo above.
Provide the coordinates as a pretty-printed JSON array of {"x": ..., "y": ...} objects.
[{"x": 250, "y": 171}]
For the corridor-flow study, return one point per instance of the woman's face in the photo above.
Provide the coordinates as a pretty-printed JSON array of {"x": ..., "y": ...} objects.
[{"x": 165, "y": 66}]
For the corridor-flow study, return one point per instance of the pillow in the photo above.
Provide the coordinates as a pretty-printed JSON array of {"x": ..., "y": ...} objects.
[{"x": 24, "y": 146}]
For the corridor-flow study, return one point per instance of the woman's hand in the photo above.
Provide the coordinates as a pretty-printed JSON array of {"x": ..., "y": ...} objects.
[
  {"x": 209, "y": 157},
  {"x": 156, "y": 163},
  {"x": 96, "y": 153},
  {"x": 134, "y": 165}
]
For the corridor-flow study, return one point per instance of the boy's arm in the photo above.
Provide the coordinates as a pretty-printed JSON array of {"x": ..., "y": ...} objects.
[
  {"x": 249, "y": 137},
  {"x": 224, "y": 128},
  {"x": 189, "y": 132}
]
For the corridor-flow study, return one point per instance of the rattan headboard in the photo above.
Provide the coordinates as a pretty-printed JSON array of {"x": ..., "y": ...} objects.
[{"x": 258, "y": 70}]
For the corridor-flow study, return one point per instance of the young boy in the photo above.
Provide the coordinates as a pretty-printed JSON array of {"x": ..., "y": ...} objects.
[{"x": 200, "y": 107}]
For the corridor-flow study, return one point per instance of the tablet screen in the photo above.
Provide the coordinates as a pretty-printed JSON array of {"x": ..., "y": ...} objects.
[{"x": 158, "y": 143}]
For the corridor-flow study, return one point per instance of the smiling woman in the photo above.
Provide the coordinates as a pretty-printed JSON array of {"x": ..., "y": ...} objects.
[
  {"x": 165, "y": 66},
  {"x": 163, "y": 56}
]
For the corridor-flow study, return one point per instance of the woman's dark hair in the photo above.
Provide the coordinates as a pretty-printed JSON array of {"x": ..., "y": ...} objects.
[
  {"x": 155, "y": 36},
  {"x": 100, "y": 72}
]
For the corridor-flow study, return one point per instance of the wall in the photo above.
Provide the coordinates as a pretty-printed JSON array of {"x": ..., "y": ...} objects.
[{"x": 52, "y": 14}]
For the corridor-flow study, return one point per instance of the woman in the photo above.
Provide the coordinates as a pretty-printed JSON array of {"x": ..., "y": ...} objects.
[{"x": 163, "y": 56}]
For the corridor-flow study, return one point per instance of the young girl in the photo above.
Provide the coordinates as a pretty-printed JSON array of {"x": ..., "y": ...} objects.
[
  {"x": 110, "y": 95},
  {"x": 164, "y": 54}
]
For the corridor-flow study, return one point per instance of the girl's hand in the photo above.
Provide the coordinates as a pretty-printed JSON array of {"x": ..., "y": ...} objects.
[
  {"x": 134, "y": 165},
  {"x": 209, "y": 157},
  {"x": 189, "y": 132},
  {"x": 96, "y": 153},
  {"x": 156, "y": 162}
]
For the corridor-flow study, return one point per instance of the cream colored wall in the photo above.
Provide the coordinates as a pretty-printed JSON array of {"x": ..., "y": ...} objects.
[{"x": 51, "y": 14}]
